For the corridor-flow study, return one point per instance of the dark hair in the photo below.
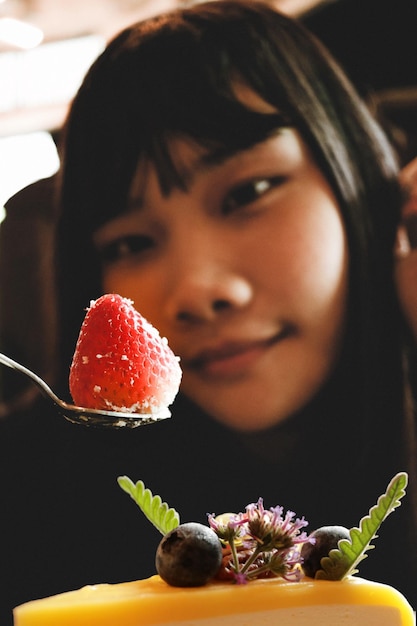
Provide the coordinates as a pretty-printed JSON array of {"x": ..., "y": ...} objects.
[{"x": 176, "y": 75}]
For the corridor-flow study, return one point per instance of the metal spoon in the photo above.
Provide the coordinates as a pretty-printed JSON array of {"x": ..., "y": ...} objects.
[{"x": 83, "y": 415}]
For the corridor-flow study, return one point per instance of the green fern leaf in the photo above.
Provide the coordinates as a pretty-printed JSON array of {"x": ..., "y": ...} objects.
[
  {"x": 158, "y": 513},
  {"x": 343, "y": 560}
]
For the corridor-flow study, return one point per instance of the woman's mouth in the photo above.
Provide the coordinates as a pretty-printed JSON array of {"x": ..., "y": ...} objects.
[{"x": 231, "y": 359}]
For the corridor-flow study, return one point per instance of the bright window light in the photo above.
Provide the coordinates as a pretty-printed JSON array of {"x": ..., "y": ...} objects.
[
  {"x": 19, "y": 34},
  {"x": 25, "y": 159},
  {"x": 46, "y": 75}
]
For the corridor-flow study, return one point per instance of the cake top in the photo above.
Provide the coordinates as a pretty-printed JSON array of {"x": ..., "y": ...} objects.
[{"x": 259, "y": 542}]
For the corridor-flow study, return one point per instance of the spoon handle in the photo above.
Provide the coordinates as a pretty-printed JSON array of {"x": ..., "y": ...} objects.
[{"x": 5, "y": 360}]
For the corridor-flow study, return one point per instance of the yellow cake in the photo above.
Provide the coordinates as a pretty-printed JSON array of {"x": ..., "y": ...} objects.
[
  {"x": 334, "y": 597},
  {"x": 257, "y": 568},
  {"x": 351, "y": 602}
]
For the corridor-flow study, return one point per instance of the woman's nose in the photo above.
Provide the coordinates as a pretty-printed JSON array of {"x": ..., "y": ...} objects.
[{"x": 205, "y": 286}]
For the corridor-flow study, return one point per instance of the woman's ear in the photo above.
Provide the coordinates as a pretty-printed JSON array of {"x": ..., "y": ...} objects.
[{"x": 406, "y": 247}]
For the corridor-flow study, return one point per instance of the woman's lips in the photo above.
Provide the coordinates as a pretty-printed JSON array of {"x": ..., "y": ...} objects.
[{"x": 231, "y": 359}]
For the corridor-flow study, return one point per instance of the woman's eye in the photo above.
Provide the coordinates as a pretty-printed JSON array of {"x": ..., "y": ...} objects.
[
  {"x": 124, "y": 247},
  {"x": 248, "y": 192}
]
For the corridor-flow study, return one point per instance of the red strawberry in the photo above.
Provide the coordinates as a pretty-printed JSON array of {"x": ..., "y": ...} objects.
[{"x": 121, "y": 363}]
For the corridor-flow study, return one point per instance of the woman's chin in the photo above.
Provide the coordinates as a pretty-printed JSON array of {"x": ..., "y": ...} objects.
[{"x": 248, "y": 417}]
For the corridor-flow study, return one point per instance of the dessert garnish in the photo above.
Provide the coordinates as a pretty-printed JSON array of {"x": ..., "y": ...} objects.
[
  {"x": 121, "y": 363},
  {"x": 158, "y": 512},
  {"x": 260, "y": 542},
  {"x": 190, "y": 555},
  {"x": 326, "y": 539},
  {"x": 343, "y": 560}
]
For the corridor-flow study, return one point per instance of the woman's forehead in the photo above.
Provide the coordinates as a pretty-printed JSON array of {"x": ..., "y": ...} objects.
[
  {"x": 186, "y": 158},
  {"x": 184, "y": 155}
]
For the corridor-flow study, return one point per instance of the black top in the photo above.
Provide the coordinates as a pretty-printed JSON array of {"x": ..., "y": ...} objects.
[{"x": 66, "y": 523}]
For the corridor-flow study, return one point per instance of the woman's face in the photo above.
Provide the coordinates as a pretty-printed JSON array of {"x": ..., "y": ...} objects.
[{"x": 245, "y": 273}]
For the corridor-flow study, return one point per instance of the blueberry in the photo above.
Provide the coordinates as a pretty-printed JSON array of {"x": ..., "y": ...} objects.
[
  {"x": 327, "y": 538},
  {"x": 189, "y": 556}
]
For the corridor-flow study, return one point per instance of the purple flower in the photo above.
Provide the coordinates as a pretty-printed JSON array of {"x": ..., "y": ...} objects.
[
  {"x": 272, "y": 529},
  {"x": 261, "y": 542},
  {"x": 228, "y": 527},
  {"x": 240, "y": 579}
]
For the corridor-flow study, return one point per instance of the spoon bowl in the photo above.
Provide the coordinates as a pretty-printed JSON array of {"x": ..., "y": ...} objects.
[{"x": 83, "y": 415}]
